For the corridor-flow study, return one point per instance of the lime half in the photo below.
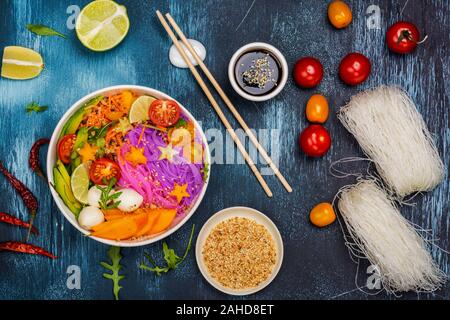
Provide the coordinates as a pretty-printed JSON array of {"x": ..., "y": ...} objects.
[
  {"x": 102, "y": 25},
  {"x": 79, "y": 181},
  {"x": 139, "y": 109},
  {"x": 21, "y": 63}
]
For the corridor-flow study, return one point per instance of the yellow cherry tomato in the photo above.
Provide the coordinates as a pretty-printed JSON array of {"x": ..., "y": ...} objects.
[
  {"x": 322, "y": 215},
  {"x": 317, "y": 109},
  {"x": 340, "y": 14}
]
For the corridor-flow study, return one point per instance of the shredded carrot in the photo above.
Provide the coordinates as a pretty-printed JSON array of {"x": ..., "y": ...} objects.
[{"x": 141, "y": 135}]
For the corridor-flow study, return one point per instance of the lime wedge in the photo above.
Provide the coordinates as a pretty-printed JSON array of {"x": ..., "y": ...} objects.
[
  {"x": 139, "y": 109},
  {"x": 21, "y": 63},
  {"x": 79, "y": 182},
  {"x": 102, "y": 25}
]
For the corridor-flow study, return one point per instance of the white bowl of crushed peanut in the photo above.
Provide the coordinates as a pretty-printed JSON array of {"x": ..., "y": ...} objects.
[{"x": 239, "y": 251}]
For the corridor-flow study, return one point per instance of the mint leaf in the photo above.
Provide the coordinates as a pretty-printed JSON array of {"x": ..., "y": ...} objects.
[
  {"x": 115, "y": 266},
  {"x": 42, "y": 30}
]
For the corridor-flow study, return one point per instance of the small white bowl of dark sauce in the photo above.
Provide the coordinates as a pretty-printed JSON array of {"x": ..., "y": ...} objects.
[{"x": 258, "y": 71}]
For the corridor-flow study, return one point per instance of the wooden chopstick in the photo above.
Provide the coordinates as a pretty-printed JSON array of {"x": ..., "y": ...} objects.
[
  {"x": 229, "y": 104},
  {"x": 215, "y": 105}
]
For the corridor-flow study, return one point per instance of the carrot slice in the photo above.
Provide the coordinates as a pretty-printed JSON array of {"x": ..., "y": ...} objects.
[
  {"x": 151, "y": 218},
  {"x": 164, "y": 220},
  {"x": 118, "y": 229},
  {"x": 112, "y": 214}
]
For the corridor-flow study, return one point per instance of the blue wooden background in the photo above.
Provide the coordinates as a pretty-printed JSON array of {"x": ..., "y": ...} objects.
[{"x": 316, "y": 265}]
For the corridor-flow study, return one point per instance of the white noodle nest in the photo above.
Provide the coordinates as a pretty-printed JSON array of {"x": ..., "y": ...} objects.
[
  {"x": 387, "y": 239},
  {"x": 393, "y": 134}
]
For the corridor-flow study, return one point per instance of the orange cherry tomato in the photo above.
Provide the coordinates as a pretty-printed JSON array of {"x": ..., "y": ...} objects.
[
  {"x": 339, "y": 14},
  {"x": 317, "y": 109},
  {"x": 322, "y": 215}
]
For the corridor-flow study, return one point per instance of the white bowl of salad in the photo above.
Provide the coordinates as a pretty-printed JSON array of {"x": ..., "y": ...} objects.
[{"x": 128, "y": 165}]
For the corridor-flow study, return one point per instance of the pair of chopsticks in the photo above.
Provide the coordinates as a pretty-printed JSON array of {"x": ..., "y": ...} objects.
[{"x": 217, "y": 108}]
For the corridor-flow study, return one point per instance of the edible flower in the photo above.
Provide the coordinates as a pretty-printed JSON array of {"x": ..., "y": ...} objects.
[
  {"x": 179, "y": 191},
  {"x": 123, "y": 126},
  {"x": 167, "y": 152},
  {"x": 136, "y": 156},
  {"x": 87, "y": 152}
]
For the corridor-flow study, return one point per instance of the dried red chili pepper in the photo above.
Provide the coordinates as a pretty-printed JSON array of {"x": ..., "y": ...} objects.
[
  {"x": 25, "y": 248},
  {"x": 27, "y": 196},
  {"x": 33, "y": 160},
  {"x": 7, "y": 218}
]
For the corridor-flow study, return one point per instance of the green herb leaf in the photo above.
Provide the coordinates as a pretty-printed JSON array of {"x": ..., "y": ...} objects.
[
  {"x": 35, "y": 107},
  {"x": 107, "y": 200},
  {"x": 42, "y": 30},
  {"x": 180, "y": 123},
  {"x": 171, "y": 258},
  {"x": 205, "y": 171},
  {"x": 115, "y": 266}
]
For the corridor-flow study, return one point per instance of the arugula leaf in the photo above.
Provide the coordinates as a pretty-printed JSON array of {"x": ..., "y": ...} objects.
[
  {"x": 99, "y": 133},
  {"x": 107, "y": 200},
  {"x": 115, "y": 266},
  {"x": 171, "y": 258},
  {"x": 42, "y": 30},
  {"x": 35, "y": 107},
  {"x": 155, "y": 268}
]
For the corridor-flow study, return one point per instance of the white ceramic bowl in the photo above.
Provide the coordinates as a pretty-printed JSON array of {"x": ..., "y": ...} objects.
[
  {"x": 51, "y": 160},
  {"x": 252, "y": 47},
  {"x": 243, "y": 212}
]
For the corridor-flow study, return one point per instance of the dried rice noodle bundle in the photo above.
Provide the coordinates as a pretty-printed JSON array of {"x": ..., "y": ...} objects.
[
  {"x": 387, "y": 239},
  {"x": 392, "y": 133}
]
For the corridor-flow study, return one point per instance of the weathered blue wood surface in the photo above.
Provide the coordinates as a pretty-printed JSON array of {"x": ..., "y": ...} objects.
[{"x": 316, "y": 262}]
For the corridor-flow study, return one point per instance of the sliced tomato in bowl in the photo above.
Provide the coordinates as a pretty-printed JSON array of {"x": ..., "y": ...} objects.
[
  {"x": 65, "y": 146},
  {"x": 103, "y": 170},
  {"x": 164, "y": 113}
]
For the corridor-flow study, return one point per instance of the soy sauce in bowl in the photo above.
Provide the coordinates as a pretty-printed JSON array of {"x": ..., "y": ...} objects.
[{"x": 257, "y": 72}]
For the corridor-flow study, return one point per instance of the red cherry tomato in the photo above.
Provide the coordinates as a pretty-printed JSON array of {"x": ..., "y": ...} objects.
[
  {"x": 315, "y": 140},
  {"x": 308, "y": 72},
  {"x": 354, "y": 68},
  {"x": 402, "y": 37},
  {"x": 164, "y": 113},
  {"x": 65, "y": 146},
  {"x": 103, "y": 170}
]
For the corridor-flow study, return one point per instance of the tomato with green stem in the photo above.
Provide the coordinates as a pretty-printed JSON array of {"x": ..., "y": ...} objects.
[{"x": 403, "y": 37}]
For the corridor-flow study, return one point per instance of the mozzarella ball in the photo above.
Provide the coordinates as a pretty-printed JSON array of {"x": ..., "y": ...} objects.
[
  {"x": 90, "y": 216},
  {"x": 129, "y": 199},
  {"x": 94, "y": 195}
]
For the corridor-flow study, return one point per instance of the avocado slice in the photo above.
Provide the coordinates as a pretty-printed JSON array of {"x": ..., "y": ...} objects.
[
  {"x": 73, "y": 123},
  {"x": 62, "y": 186},
  {"x": 65, "y": 192}
]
